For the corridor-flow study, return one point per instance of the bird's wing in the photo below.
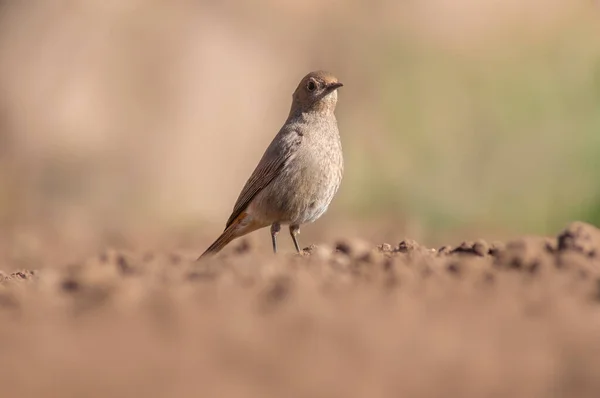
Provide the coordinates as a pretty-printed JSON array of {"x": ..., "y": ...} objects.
[{"x": 273, "y": 161}]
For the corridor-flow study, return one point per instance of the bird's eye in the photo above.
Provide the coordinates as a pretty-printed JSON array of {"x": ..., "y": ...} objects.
[{"x": 311, "y": 86}]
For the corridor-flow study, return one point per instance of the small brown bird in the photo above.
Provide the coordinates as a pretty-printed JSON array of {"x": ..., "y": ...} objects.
[{"x": 300, "y": 171}]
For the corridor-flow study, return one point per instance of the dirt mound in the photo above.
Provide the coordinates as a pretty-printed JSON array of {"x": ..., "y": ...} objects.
[{"x": 513, "y": 319}]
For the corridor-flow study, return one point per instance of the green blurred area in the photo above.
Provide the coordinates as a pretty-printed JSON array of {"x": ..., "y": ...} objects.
[{"x": 505, "y": 136}]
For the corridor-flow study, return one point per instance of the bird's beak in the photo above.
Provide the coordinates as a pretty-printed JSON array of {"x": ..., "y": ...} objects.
[{"x": 333, "y": 86}]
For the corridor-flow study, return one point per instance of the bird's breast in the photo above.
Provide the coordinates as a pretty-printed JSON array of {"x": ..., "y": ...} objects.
[
  {"x": 313, "y": 177},
  {"x": 307, "y": 183}
]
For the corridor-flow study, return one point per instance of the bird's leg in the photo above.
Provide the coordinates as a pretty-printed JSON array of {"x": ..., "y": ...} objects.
[
  {"x": 275, "y": 228},
  {"x": 294, "y": 231}
]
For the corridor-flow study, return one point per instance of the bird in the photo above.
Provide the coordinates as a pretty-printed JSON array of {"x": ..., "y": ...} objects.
[{"x": 300, "y": 171}]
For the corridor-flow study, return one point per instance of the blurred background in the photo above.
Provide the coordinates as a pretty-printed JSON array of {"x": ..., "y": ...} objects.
[{"x": 139, "y": 121}]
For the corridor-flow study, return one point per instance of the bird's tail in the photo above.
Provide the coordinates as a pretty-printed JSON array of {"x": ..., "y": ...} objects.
[{"x": 234, "y": 230}]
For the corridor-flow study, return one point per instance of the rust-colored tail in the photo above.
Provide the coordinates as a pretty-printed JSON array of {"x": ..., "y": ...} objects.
[
  {"x": 227, "y": 236},
  {"x": 234, "y": 230}
]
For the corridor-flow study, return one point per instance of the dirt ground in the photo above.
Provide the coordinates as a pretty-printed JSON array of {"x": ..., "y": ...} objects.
[{"x": 513, "y": 319}]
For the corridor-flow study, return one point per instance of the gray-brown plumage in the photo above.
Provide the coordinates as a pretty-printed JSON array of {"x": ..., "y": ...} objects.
[{"x": 300, "y": 171}]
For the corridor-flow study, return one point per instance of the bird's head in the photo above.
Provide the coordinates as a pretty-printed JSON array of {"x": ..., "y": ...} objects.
[{"x": 317, "y": 92}]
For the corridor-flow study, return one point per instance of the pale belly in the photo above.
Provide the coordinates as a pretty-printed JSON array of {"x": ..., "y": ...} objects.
[{"x": 300, "y": 194}]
